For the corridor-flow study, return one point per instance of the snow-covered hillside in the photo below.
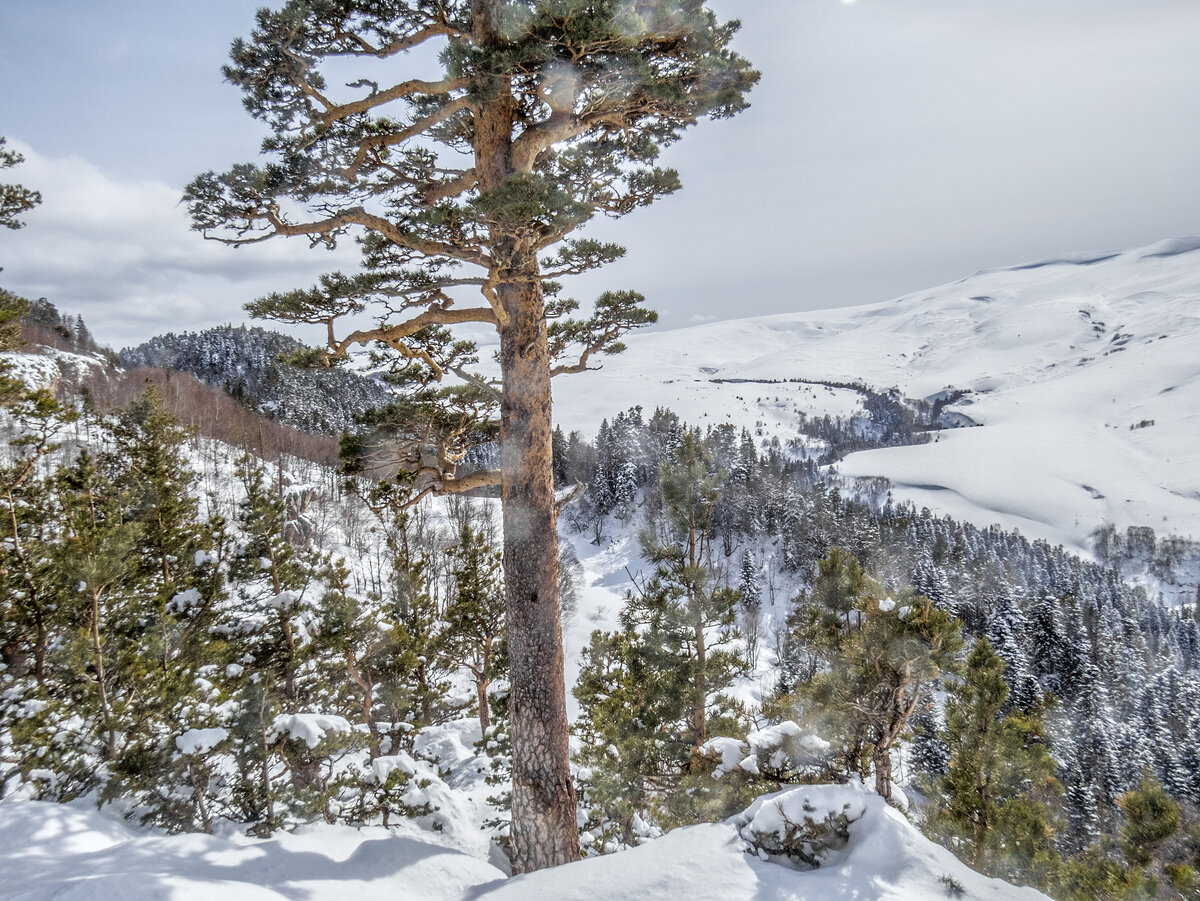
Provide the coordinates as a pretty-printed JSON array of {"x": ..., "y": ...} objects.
[
  {"x": 73, "y": 852},
  {"x": 1084, "y": 373}
]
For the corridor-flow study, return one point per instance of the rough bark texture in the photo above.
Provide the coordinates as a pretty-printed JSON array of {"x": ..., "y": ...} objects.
[
  {"x": 545, "y": 832},
  {"x": 883, "y": 772}
]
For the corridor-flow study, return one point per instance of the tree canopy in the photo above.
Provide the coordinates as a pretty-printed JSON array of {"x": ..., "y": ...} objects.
[{"x": 14, "y": 199}]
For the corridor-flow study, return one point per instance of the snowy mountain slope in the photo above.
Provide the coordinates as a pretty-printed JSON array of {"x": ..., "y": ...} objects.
[
  {"x": 48, "y": 366},
  {"x": 1084, "y": 375},
  {"x": 73, "y": 852}
]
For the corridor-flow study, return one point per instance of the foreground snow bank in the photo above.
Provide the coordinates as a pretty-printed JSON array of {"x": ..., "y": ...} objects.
[
  {"x": 884, "y": 859},
  {"x": 73, "y": 853},
  {"x": 70, "y": 852}
]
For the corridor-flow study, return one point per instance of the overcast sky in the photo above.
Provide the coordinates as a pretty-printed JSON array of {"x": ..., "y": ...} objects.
[{"x": 892, "y": 145}]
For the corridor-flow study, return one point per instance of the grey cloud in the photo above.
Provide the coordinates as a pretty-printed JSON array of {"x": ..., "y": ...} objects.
[
  {"x": 121, "y": 253},
  {"x": 892, "y": 145}
]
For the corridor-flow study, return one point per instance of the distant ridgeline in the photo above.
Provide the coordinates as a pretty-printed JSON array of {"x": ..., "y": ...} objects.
[{"x": 245, "y": 362}]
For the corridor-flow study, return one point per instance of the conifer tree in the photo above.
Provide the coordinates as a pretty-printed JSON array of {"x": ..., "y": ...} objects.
[
  {"x": 268, "y": 636},
  {"x": 415, "y": 691},
  {"x": 474, "y": 633},
  {"x": 1006, "y": 632},
  {"x": 682, "y": 581},
  {"x": 748, "y": 585},
  {"x": 882, "y": 653},
  {"x": 651, "y": 693},
  {"x": 177, "y": 548},
  {"x": 1047, "y": 644},
  {"x": 999, "y": 775},
  {"x": 928, "y": 752},
  {"x": 272, "y": 576},
  {"x": 28, "y": 578},
  {"x": 177, "y": 593},
  {"x": 97, "y": 557},
  {"x": 556, "y": 112},
  {"x": 1151, "y": 817}
]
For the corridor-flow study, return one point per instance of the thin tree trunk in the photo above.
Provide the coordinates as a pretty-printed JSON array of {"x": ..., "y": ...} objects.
[
  {"x": 366, "y": 703},
  {"x": 883, "y": 772},
  {"x": 485, "y": 719},
  {"x": 102, "y": 678}
]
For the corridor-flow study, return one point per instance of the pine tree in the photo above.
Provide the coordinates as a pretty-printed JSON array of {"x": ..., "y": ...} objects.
[
  {"x": 28, "y": 578},
  {"x": 881, "y": 654},
  {"x": 268, "y": 632},
  {"x": 415, "y": 692},
  {"x": 273, "y": 576},
  {"x": 650, "y": 693},
  {"x": 113, "y": 641},
  {"x": 999, "y": 774},
  {"x": 1047, "y": 642},
  {"x": 928, "y": 751},
  {"x": 748, "y": 586},
  {"x": 560, "y": 113},
  {"x": 97, "y": 557},
  {"x": 558, "y": 453},
  {"x": 474, "y": 634},
  {"x": 1151, "y": 817},
  {"x": 929, "y": 579},
  {"x": 1006, "y": 632},
  {"x": 690, "y": 490},
  {"x": 179, "y": 591}
]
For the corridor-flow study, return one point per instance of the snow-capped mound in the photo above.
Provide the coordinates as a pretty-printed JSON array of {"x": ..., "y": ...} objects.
[
  {"x": 1083, "y": 373},
  {"x": 884, "y": 859},
  {"x": 65, "y": 851}
]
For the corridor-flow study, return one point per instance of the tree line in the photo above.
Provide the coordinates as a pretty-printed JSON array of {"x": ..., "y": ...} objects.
[{"x": 1044, "y": 705}]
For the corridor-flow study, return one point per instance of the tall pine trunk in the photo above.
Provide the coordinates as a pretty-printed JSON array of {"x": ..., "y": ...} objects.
[
  {"x": 544, "y": 828},
  {"x": 544, "y": 832}
]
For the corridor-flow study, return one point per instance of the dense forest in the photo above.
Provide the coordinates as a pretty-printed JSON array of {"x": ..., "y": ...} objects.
[{"x": 249, "y": 364}]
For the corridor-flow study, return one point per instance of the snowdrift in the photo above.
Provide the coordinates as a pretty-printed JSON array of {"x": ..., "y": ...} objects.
[{"x": 73, "y": 852}]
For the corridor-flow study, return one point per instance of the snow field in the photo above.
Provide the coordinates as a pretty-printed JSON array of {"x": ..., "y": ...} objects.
[{"x": 1084, "y": 373}]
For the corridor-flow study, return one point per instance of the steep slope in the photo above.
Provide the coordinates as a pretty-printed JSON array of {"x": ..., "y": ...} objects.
[{"x": 1083, "y": 373}]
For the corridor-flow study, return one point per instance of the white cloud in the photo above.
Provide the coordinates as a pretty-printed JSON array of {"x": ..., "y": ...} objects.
[{"x": 121, "y": 253}]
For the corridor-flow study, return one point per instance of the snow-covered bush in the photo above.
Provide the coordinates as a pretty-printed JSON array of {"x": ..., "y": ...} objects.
[
  {"x": 782, "y": 754},
  {"x": 801, "y": 826}
]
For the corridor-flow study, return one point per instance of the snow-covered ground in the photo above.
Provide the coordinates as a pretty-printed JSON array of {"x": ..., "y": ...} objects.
[
  {"x": 73, "y": 853},
  {"x": 1084, "y": 373},
  {"x": 48, "y": 365}
]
